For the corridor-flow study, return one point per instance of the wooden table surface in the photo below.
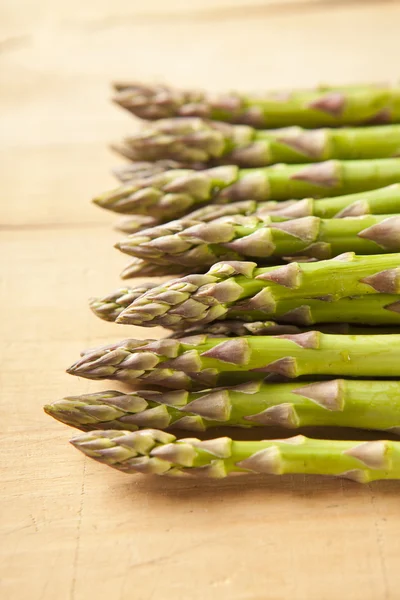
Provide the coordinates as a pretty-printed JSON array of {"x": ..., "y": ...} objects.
[{"x": 72, "y": 529}]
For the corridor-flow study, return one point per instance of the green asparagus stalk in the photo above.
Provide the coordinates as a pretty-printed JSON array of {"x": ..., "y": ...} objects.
[
  {"x": 192, "y": 141},
  {"x": 338, "y": 403},
  {"x": 235, "y": 285},
  {"x": 157, "y": 452},
  {"x": 370, "y": 310},
  {"x": 174, "y": 193},
  {"x": 307, "y": 108},
  {"x": 381, "y": 201},
  {"x": 111, "y": 306},
  {"x": 196, "y": 362},
  {"x": 260, "y": 239}
]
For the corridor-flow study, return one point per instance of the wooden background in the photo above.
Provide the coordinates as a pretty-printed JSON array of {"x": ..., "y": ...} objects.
[{"x": 71, "y": 529}]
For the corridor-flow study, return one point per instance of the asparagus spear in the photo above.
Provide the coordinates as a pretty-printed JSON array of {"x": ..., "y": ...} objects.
[
  {"x": 110, "y": 307},
  {"x": 368, "y": 308},
  {"x": 241, "y": 286},
  {"x": 244, "y": 238},
  {"x": 338, "y": 402},
  {"x": 174, "y": 193},
  {"x": 307, "y": 108},
  {"x": 192, "y": 141},
  {"x": 381, "y": 201},
  {"x": 157, "y": 452},
  {"x": 202, "y": 361}
]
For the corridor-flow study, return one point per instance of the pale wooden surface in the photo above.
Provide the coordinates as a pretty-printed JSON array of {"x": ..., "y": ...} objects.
[{"x": 71, "y": 529}]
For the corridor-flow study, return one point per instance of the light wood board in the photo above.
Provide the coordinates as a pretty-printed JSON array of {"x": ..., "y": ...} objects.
[{"x": 71, "y": 529}]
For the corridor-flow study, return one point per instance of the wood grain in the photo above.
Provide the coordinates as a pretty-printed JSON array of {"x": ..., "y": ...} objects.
[{"x": 70, "y": 529}]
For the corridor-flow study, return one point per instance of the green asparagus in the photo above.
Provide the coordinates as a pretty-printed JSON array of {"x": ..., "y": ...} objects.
[
  {"x": 157, "y": 452},
  {"x": 339, "y": 403},
  {"x": 381, "y": 201},
  {"x": 260, "y": 239},
  {"x": 307, "y": 108},
  {"x": 174, "y": 193},
  {"x": 110, "y": 307},
  {"x": 367, "y": 308},
  {"x": 200, "y": 361},
  {"x": 192, "y": 141},
  {"x": 241, "y": 286}
]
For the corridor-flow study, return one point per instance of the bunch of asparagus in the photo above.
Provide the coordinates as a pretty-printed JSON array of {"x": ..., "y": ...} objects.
[{"x": 280, "y": 213}]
